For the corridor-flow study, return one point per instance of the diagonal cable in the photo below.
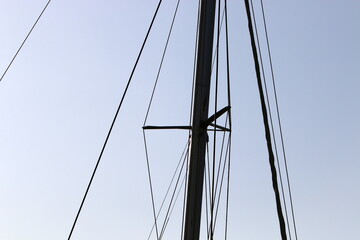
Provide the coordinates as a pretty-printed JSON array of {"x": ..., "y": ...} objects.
[
  {"x": 173, "y": 198},
  {"x": 114, "y": 120},
  {"x": 183, "y": 155},
  {"x": 266, "y": 125},
  {"x": 161, "y": 62},
  {"x": 229, "y": 114},
  {"x": 27, "y": 36},
  {"x": 271, "y": 120},
  {"x": 212, "y": 205},
  {"x": 279, "y": 119}
]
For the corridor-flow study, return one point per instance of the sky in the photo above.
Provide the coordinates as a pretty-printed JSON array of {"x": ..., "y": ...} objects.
[{"x": 59, "y": 97}]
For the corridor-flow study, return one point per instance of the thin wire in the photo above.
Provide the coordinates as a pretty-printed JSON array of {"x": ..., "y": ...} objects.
[
  {"x": 206, "y": 205},
  {"x": 228, "y": 66},
  {"x": 161, "y": 62},
  {"x": 151, "y": 188},
  {"x": 27, "y": 36},
  {"x": 229, "y": 114},
  {"x": 173, "y": 206},
  {"x": 221, "y": 182},
  {"x": 147, "y": 114},
  {"x": 172, "y": 199},
  {"x": 227, "y": 188},
  {"x": 279, "y": 119},
  {"x": 271, "y": 120},
  {"x": 209, "y": 185},
  {"x": 186, "y": 149},
  {"x": 114, "y": 120},
  {"x": 222, "y": 145},
  {"x": 215, "y": 50},
  {"x": 185, "y": 188},
  {"x": 220, "y": 157},
  {"x": 215, "y": 110},
  {"x": 194, "y": 65}
]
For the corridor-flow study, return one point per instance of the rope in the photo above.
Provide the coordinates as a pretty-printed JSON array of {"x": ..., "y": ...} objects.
[
  {"x": 22, "y": 44},
  {"x": 279, "y": 119},
  {"x": 271, "y": 119},
  {"x": 114, "y": 120},
  {"x": 266, "y": 125}
]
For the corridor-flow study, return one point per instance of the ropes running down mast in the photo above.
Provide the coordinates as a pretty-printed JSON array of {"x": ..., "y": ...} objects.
[
  {"x": 266, "y": 110},
  {"x": 279, "y": 120},
  {"x": 266, "y": 125}
]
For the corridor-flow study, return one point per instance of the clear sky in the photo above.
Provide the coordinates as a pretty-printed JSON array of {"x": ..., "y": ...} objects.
[{"x": 59, "y": 97}]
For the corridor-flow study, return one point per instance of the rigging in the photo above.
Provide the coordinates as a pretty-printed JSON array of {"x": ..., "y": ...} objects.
[
  {"x": 270, "y": 116},
  {"x": 279, "y": 119},
  {"x": 27, "y": 36},
  {"x": 114, "y": 120}
]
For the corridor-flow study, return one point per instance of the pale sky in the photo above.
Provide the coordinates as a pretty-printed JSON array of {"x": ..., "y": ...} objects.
[{"x": 58, "y": 99}]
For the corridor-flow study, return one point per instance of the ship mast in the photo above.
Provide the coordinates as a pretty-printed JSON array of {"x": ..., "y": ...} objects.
[{"x": 200, "y": 118}]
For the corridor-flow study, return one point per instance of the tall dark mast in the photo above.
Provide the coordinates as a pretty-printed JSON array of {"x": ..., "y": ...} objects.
[{"x": 200, "y": 117}]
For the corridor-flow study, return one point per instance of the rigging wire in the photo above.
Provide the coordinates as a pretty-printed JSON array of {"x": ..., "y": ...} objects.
[
  {"x": 114, "y": 120},
  {"x": 270, "y": 118},
  {"x": 215, "y": 50},
  {"x": 208, "y": 208},
  {"x": 167, "y": 216},
  {"x": 27, "y": 36},
  {"x": 213, "y": 192},
  {"x": 206, "y": 205},
  {"x": 266, "y": 125},
  {"x": 229, "y": 114},
  {"x": 173, "y": 206},
  {"x": 222, "y": 180},
  {"x": 278, "y": 117},
  {"x": 147, "y": 114},
  {"x": 183, "y": 155},
  {"x": 220, "y": 157},
  {"x": 215, "y": 129},
  {"x": 161, "y": 62},
  {"x": 151, "y": 187},
  {"x": 215, "y": 120},
  {"x": 148, "y": 110}
]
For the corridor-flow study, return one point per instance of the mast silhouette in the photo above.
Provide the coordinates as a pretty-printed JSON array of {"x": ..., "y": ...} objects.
[{"x": 199, "y": 135}]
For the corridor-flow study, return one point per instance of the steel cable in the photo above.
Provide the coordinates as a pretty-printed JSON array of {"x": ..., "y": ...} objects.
[
  {"x": 27, "y": 36},
  {"x": 114, "y": 120}
]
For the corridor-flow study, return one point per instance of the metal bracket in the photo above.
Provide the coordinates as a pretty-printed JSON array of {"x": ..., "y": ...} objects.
[{"x": 216, "y": 115}]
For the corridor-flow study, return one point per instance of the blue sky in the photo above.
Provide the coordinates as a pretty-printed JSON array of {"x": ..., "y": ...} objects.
[{"x": 59, "y": 97}]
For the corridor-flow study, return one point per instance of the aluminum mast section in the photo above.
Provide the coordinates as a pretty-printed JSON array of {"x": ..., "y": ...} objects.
[{"x": 199, "y": 135}]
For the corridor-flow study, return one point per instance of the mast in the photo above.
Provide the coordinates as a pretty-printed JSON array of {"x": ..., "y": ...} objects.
[{"x": 200, "y": 117}]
